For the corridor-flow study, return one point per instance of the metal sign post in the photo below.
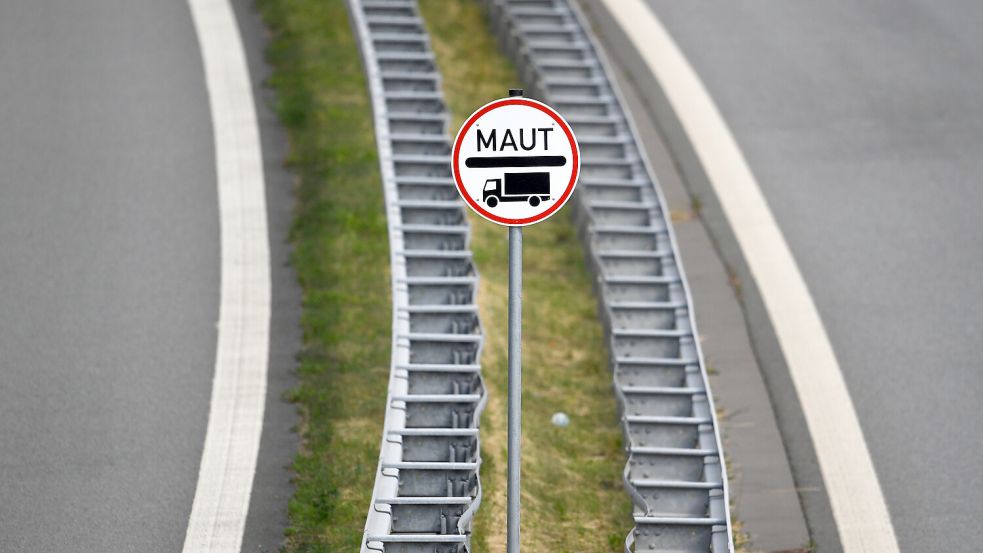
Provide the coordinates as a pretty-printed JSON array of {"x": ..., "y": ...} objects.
[
  {"x": 515, "y": 381},
  {"x": 519, "y": 158},
  {"x": 515, "y": 385}
]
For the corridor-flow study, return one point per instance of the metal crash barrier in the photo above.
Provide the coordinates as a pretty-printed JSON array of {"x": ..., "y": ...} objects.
[
  {"x": 427, "y": 485},
  {"x": 427, "y": 488},
  {"x": 674, "y": 473}
]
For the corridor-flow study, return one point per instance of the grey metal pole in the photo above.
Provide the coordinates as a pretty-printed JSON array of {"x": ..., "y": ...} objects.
[
  {"x": 515, "y": 385},
  {"x": 515, "y": 380}
]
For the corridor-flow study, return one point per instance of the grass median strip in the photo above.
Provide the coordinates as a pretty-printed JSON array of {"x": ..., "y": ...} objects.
[
  {"x": 342, "y": 259},
  {"x": 573, "y": 500}
]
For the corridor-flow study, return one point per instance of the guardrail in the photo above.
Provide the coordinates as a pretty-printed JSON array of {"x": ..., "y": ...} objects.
[
  {"x": 675, "y": 472},
  {"x": 427, "y": 486}
]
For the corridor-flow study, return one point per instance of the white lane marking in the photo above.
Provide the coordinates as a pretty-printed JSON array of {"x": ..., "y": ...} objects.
[
  {"x": 855, "y": 494},
  {"x": 235, "y": 419}
]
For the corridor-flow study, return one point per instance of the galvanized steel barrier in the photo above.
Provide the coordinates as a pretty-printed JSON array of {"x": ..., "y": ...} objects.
[
  {"x": 674, "y": 473},
  {"x": 426, "y": 488}
]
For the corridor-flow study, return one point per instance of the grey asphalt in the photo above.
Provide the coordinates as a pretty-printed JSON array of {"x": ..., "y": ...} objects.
[
  {"x": 109, "y": 279},
  {"x": 863, "y": 123}
]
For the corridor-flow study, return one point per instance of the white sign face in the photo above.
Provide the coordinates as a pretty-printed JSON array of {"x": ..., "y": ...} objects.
[{"x": 516, "y": 161}]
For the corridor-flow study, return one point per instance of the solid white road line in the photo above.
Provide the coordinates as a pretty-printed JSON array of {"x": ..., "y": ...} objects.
[
  {"x": 854, "y": 492},
  {"x": 235, "y": 419}
]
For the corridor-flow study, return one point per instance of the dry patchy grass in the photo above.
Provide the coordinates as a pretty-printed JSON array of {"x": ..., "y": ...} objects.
[{"x": 341, "y": 257}]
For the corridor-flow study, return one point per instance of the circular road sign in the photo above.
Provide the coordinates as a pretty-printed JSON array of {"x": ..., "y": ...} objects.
[{"x": 516, "y": 161}]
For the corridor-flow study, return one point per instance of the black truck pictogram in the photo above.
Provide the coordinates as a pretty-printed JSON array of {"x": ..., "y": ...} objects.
[{"x": 518, "y": 187}]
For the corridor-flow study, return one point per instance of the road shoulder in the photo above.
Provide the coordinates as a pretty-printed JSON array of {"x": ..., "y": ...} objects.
[{"x": 272, "y": 483}]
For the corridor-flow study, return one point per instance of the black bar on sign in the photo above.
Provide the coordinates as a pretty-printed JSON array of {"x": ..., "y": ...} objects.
[{"x": 515, "y": 161}]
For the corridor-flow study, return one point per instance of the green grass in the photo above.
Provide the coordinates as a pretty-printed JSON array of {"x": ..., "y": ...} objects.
[
  {"x": 341, "y": 258},
  {"x": 572, "y": 499}
]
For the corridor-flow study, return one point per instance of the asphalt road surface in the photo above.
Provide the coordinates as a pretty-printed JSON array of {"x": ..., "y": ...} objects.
[
  {"x": 863, "y": 123},
  {"x": 109, "y": 278}
]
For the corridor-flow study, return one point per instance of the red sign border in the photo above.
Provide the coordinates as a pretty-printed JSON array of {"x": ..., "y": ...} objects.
[{"x": 455, "y": 165}]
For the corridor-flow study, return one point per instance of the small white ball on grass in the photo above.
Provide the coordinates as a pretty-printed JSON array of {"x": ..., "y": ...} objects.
[{"x": 561, "y": 419}]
